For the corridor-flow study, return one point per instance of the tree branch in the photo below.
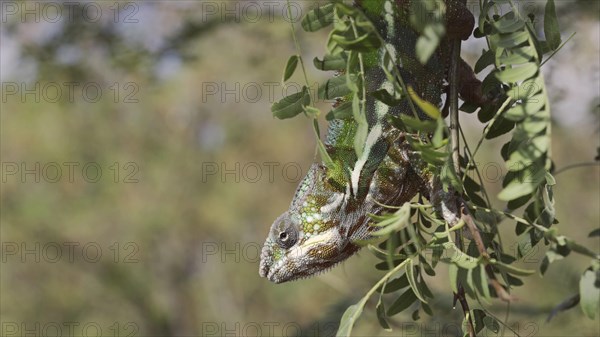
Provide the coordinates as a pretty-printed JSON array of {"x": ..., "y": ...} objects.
[{"x": 467, "y": 217}]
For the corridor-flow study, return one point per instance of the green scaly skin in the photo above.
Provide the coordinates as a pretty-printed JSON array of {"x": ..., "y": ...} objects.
[{"x": 329, "y": 212}]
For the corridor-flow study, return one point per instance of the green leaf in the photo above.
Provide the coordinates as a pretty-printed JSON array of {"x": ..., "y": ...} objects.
[
  {"x": 466, "y": 280},
  {"x": 410, "y": 274},
  {"x": 348, "y": 319},
  {"x": 291, "y": 105},
  {"x": 312, "y": 111},
  {"x": 518, "y": 56},
  {"x": 500, "y": 127},
  {"x": 527, "y": 107},
  {"x": 478, "y": 316},
  {"x": 331, "y": 62},
  {"x": 324, "y": 155},
  {"x": 385, "y": 255},
  {"x": 470, "y": 284},
  {"x": 551, "y": 29},
  {"x": 318, "y": 18},
  {"x": 487, "y": 112},
  {"x": 491, "y": 324},
  {"x": 526, "y": 89},
  {"x": 402, "y": 302},
  {"x": 362, "y": 131},
  {"x": 321, "y": 147},
  {"x": 468, "y": 107},
  {"x": 342, "y": 111},
  {"x": 581, "y": 249},
  {"x": 415, "y": 315},
  {"x": 436, "y": 255},
  {"x": 590, "y": 293},
  {"x": 396, "y": 284},
  {"x": 408, "y": 123},
  {"x": 486, "y": 59},
  {"x": 428, "y": 42},
  {"x": 364, "y": 43},
  {"x": 528, "y": 181},
  {"x": 433, "y": 157},
  {"x": 380, "y": 310},
  {"x": 427, "y": 309},
  {"x": 428, "y": 108},
  {"x": 511, "y": 269},
  {"x": 427, "y": 268},
  {"x": 351, "y": 82},
  {"x": 399, "y": 220},
  {"x": 335, "y": 87},
  {"x": 514, "y": 281},
  {"x": 471, "y": 188},
  {"x": 290, "y": 67},
  {"x": 509, "y": 23},
  {"x": 449, "y": 177},
  {"x": 438, "y": 136},
  {"x": 332, "y": 47},
  {"x": 511, "y": 40},
  {"x": 544, "y": 265},
  {"x": 384, "y": 96},
  {"x": 528, "y": 153},
  {"x": 516, "y": 74},
  {"x": 462, "y": 259},
  {"x": 595, "y": 232},
  {"x": 453, "y": 275},
  {"x": 480, "y": 279}
]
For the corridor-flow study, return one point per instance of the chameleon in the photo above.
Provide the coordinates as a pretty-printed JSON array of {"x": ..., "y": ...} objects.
[{"x": 329, "y": 213}]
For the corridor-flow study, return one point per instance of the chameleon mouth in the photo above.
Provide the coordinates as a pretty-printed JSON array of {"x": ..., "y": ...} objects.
[
  {"x": 273, "y": 272},
  {"x": 268, "y": 265},
  {"x": 265, "y": 261},
  {"x": 278, "y": 275},
  {"x": 263, "y": 271}
]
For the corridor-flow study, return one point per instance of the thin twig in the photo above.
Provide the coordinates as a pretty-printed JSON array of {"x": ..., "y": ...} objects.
[
  {"x": 465, "y": 306},
  {"x": 454, "y": 105},
  {"x": 298, "y": 50},
  {"x": 558, "y": 49},
  {"x": 572, "y": 166}
]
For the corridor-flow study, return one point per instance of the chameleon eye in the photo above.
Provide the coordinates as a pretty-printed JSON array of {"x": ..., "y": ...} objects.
[{"x": 287, "y": 238}]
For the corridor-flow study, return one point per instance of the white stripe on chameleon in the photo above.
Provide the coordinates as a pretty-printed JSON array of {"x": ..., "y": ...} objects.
[
  {"x": 335, "y": 203},
  {"x": 389, "y": 18},
  {"x": 299, "y": 251},
  {"x": 392, "y": 51},
  {"x": 381, "y": 109},
  {"x": 372, "y": 138}
]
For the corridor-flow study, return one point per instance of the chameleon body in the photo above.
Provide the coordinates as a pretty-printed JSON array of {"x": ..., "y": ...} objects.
[{"x": 329, "y": 213}]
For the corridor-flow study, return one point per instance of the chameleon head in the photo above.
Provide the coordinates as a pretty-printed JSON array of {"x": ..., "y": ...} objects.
[
  {"x": 289, "y": 253},
  {"x": 308, "y": 238}
]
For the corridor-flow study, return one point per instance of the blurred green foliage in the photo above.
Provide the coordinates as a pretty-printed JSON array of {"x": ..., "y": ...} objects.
[{"x": 178, "y": 241}]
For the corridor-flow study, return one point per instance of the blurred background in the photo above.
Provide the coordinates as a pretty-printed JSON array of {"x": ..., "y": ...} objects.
[{"x": 141, "y": 171}]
